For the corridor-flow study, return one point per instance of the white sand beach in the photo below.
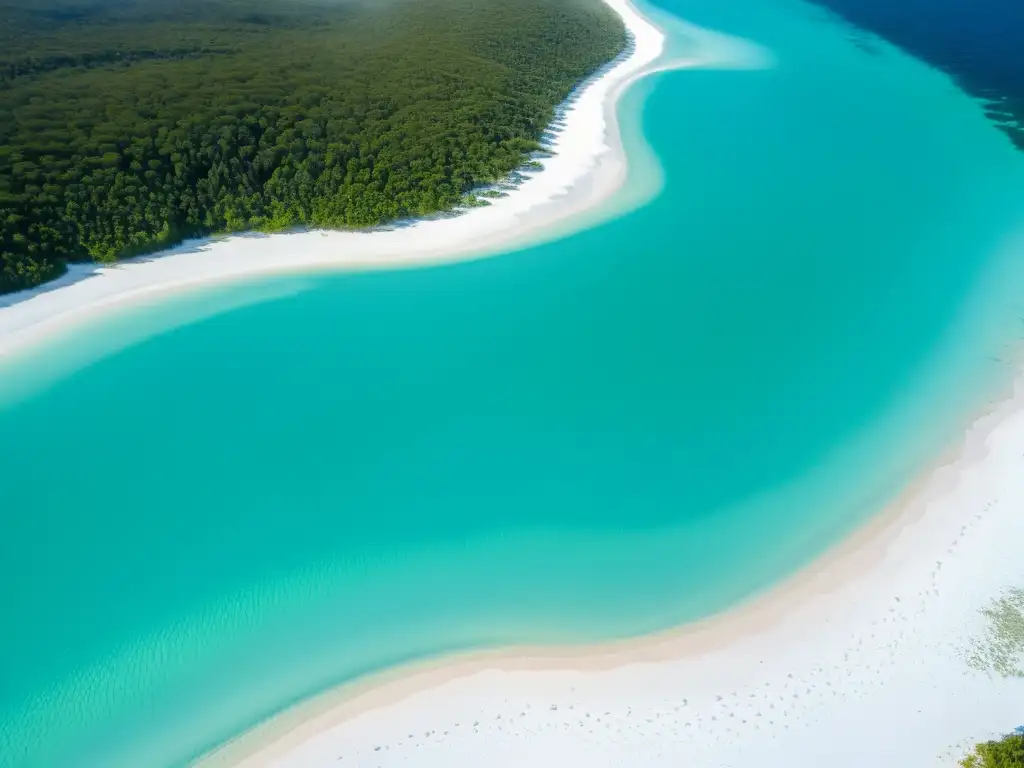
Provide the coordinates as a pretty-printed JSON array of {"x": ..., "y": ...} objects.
[
  {"x": 588, "y": 165},
  {"x": 877, "y": 655}
]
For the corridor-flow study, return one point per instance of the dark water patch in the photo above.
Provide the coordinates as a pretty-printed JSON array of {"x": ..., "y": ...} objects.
[{"x": 978, "y": 42}]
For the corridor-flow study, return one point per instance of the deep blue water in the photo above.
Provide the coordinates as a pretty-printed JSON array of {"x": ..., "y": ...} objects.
[{"x": 980, "y": 42}]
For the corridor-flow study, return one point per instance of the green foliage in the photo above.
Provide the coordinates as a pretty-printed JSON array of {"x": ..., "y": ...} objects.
[
  {"x": 1008, "y": 752},
  {"x": 1000, "y": 649},
  {"x": 128, "y": 125}
]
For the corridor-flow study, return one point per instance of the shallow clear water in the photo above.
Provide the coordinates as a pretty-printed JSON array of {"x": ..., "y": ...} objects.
[{"x": 637, "y": 425}]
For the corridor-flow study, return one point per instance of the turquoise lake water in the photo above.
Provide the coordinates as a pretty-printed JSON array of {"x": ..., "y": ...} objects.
[{"x": 636, "y": 425}]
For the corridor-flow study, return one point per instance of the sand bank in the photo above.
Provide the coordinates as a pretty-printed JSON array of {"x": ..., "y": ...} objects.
[
  {"x": 587, "y": 167},
  {"x": 878, "y": 654}
]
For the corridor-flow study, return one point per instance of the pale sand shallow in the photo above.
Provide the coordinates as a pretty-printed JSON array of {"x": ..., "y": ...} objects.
[
  {"x": 860, "y": 660},
  {"x": 574, "y": 189}
]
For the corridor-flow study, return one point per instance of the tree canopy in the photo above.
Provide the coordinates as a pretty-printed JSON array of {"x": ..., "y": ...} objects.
[
  {"x": 128, "y": 125},
  {"x": 1008, "y": 752}
]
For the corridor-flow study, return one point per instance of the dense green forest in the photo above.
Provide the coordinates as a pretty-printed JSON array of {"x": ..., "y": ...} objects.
[
  {"x": 1007, "y": 752},
  {"x": 127, "y": 125}
]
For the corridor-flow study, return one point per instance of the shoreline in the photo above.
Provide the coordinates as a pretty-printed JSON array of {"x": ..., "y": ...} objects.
[
  {"x": 587, "y": 167},
  {"x": 867, "y": 567}
]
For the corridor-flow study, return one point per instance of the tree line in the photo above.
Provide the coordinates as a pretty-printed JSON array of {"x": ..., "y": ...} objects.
[{"x": 1007, "y": 752}]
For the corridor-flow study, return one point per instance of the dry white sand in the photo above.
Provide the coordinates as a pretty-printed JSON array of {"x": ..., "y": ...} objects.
[{"x": 862, "y": 660}]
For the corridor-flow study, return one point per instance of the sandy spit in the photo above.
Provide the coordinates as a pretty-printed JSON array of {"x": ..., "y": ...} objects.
[{"x": 587, "y": 168}]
